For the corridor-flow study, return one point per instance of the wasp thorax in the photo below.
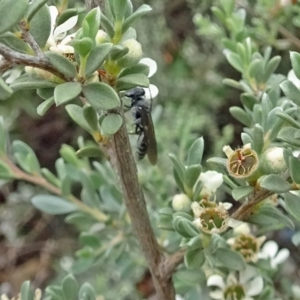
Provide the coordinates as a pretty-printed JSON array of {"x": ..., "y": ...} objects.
[{"x": 242, "y": 163}]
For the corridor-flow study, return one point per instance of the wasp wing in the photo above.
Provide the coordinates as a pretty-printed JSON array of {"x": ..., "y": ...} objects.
[{"x": 149, "y": 136}]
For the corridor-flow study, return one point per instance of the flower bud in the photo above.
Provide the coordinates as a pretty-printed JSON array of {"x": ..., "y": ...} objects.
[
  {"x": 181, "y": 202},
  {"x": 272, "y": 161},
  {"x": 40, "y": 73},
  {"x": 133, "y": 56},
  {"x": 101, "y": 37}
]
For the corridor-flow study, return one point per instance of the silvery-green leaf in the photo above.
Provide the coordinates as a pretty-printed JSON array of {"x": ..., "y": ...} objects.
[
  {"x": 241, "y": 192},
  {"x": 111, "y": 123},
  {"x": 44, "y": 106},
  {"x": 275, "y": 183},
  {"x": 62, "y": 64},
  {"x": 194, "y": 259},
  {"x": 11, "y": 13},
  {"x": 292, "y": 203},
  {"x": 196, "y": 152},
  {"x": 70, "y": 287},
  {"x": 5, "y": 90},
  {"x": 52, "y": 204},
  {"x": 66, "y": 92},
  {"x": 101, "y": 96},
  {"x": 230, "y": 259}
]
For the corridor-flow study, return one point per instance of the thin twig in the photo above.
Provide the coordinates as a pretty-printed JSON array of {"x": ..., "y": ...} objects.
[
  {"x": 18, "y": 58},
  {"x": 28, "y": 38},
  {"x": 40, "y": 181}
]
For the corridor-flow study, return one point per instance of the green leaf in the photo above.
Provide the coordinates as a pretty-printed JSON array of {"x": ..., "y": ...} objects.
[
  {"x": 5, "y": 90},
  {"x": 235, "y": 61},
  {"x": 239, "y": 114},
  {"x": 70, "y": 287},
  {"x": 230, "y": 259},
  {"x": 232, "y": 83},
  {"x": 191, "y": 174},
  {"x": 178, "y": 167},
  {"x": 101, "y": 96},
  {"x": 258, "y": 138},
  {"x": 96, "y": 58},
  {"x": 89, "y": 151},
  {"x": 107, "y": 25},
  {"x": 76, "y": 114},
  {"x": 88, "y": 239},
  {"x": 292, "y": 203},
  {"x": 290, "y": 91},
  {"x": 269, "y": 215},
  {"x": 142, "y": 10},
  {"x": 91, "y": 116},
  {"x": 16, "y": 43},
  {"x": 69, "y": 155},
  {"x": 294, "y": 168},
  {"x": 83, "y": 46},
  {"x": 45, "y": 93},
  {"x": 118, "y": 51},
  {"x": 185, "y": 227},
  {"x": 241, "y": 192},
  {"x": 196, "y": 152},
  {"x": 285, "y": 117},
  {"x": 111, "y": 123},
  {"x": 53, "y": 205},
  {"x": 287, "y": 134},
  {"x": 295, "y": 60},
  {"x": 11, "y": 13},
  {"x": 27, "y": 82},
  {"x": 190, "y": 277},
  {"x": 5, "y": 172},
  {"x": 128, "y": 82},
  {"x": 66, "y": 92},
  {"x": 25, "y": 291},
  {"x": 26, "y": 157},
  {"x": 40, "y": 26},
  {"x": 87, "y": 292},
  {"x": 93, "y": 21},
  {"x": 3, "y": 137},
  {"x": 194, "y": 259},
  {"x": 271, "y": 66},
  {"x": 67, "y": 14},
  {"x": 275, "y": 183},
  {"x": 50, "y": 177},
  {"x": 62, "y": 64},
  {"x": 248, "y": 100},
  {"x": 119, "y": 8},
  {"x": 44, "y": 106},
  {"x": 139, "y": 68},
  {"x": 34, "y": 7}
]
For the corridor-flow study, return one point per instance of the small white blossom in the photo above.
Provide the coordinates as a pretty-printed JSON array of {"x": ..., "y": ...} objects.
[
  {"x": 152, "y": 91},
  {"x": 270, "y": 251},
  {"x": 58, "y": 40},
  {"x": 248, "y": 284}
]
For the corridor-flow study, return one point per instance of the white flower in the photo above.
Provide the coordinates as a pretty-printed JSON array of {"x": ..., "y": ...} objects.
[
  {"x": 270, "y": 251},
  {"x": 293, "y": 78},
  {"x": 212, "y": 180},
  {"x": 247, "y": 285},
  {"x": 245, "y": 243},
  {"x": 211, "y": 217},
  {"x": 152, "y": 91},
  {"x": 58, "y": 40}
]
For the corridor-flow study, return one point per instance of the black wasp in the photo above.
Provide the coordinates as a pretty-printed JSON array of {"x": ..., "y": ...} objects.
[{"x": 141, "y": 112}]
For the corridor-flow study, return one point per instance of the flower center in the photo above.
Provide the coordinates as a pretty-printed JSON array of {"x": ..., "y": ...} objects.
[
  {"x": 234, "y": 292},
  {"x": 246, "y": 244}
]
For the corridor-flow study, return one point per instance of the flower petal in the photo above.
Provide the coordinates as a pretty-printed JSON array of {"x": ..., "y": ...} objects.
[
  {"x": 234, "y": 223},
  {"x": 61, "y": 31},
  {"x": 218, "y": 295},
  {"x": 281, "y": 256},
  {"x": 211, "y": 180},
  {"x": 216, "y": 280},
  {"x": 255, "y": 286},
  {"x": 247, "y": 274},
  {"x": 270, "y": 248},
  {"x": 151, "y": 64},
  {"x": 151, "y": 92}
]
